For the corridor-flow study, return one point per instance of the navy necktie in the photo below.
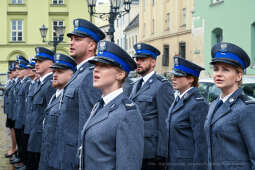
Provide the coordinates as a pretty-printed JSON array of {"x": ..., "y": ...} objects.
[
  {"x": 100, "y": 105},
  {"x": 220, "y": 102},
  {"x": 139, "y": 85}
]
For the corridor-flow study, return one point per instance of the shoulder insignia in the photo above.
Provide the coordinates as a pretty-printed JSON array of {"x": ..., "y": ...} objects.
[
  {"x": 246, "y": 99},
  {"x": 161, "y": 78},
  {"x": 129, "y": 105},
  {"x": 199, "y": 98},
  {"x": 91, "y": 67}
]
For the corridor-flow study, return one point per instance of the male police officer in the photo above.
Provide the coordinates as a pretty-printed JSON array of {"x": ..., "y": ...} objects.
[
  {"x": 154, "y": 95},
  {"x": 44, "y": 59},
  {"x": 63, "y": 69},
  {"x": 79, "y": 94}
]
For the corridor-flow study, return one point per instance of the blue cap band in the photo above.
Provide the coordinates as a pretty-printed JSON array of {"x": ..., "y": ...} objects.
[
  {"x": 23, "y": 66},
  {"x": 88, "y": 32},
  {"x": 187, "y": 70},
  {"x": 67, "y": 64},
  {"x": 21, "y": 59},
  {"x": 230, "y": 56},
  {"x": 118, "y": 60},
  {"x": 45, "y": 55},
  {"x": 148, "y": 52}
]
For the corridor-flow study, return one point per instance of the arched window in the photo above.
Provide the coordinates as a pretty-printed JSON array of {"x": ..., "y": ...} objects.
[{"x": 217, "y": 36}]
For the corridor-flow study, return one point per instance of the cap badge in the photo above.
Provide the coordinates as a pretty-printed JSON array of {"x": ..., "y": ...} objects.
[
  {"x": 223, "y": 47},
  {"x": 176, "y": 61},
  {"x": 58, "y": 57},
  {"x": 76, "y": 23},
  {"x": 139, "y": 46},
  {"x": 102, "y": 46}
]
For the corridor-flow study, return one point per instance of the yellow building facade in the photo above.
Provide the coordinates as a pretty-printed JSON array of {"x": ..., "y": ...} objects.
[
  {"x": 21, "y": 20},
  {"x": 167, "y": 25}
]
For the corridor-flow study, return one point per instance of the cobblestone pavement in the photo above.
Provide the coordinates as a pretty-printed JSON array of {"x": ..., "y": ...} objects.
[{"x": 5, "y": 141}]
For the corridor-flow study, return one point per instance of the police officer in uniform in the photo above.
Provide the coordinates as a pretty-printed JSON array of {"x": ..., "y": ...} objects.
[
  {"x": 44, "y": 59},
  {"x": 63, "y": 69},
  {"x": 112, "y": 138},
  {"x": 7, "y": 110},
  {"x": 154, "y": 96},
  {"x": 186, "y": 118},
  {"x": 79, "y": 94},
  {"x": 25, "y": 72},
  {"x": 230, "y": 122}
]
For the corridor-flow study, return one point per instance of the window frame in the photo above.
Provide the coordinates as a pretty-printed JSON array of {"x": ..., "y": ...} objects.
[
  {"x": 17, "y": 30},
  {"x": 54, "y": 31},
  {"x": 57, "y": 2},
  {"x": 166, "y": 55}
]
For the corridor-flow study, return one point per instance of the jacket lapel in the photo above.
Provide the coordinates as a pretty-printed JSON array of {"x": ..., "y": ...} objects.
[
  {"x": 146, "y": 86},
  {"x": 44, "y": 81},
  {"x": 52, "y": 102},
  {"x": 226, "y": 106},
  {"x": 103, "y": 114}
]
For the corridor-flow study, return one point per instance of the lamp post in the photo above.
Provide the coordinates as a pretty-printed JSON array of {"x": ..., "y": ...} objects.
[
  {"x": 59, "y": 30},
  {"x": 112, "y": 14}
]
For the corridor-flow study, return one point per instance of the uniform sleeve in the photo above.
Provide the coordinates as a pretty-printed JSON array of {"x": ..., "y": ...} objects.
[
  {"x": 247, "y": 128},
  {"x": 164, "y": 99},
  {"x": 130, "y": 142},
  {"x": 197, "y": 117}
]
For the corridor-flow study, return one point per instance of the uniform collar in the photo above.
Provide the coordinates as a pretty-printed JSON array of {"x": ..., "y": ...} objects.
[
  {"x": 224, "y": 99},
  {"x": 59, "y": 92},
  {"x": 180, "y": 95},
  {"x": 43, "y": 77},
  {"x": 147, "y": 77},
  {"x": 109, "y": 97},
  {"x": 79, "y": 65}
]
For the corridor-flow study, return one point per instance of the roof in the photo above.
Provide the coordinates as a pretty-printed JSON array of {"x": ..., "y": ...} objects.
[{"x": 134, "y": 23}]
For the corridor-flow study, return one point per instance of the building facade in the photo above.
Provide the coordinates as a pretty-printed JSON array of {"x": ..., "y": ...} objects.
[
  {"x": 227, "y": 21},
  {"x": 21, "y": 22},
  {"x": 167, "y": 25}
]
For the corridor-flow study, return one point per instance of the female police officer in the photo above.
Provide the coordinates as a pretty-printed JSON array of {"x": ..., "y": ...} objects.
[
  {"x": 112, "y": 137},
  {"x": 186, "y": 119},
  {"x": 230, "y": 122}
]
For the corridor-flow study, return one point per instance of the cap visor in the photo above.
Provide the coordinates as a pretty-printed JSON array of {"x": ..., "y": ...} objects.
[
  {"x": 178, "y": 73},
  {"x": 77, "y": 34},
  {"x": 226, "y": 61},
  {"x": 58, "y": 66}
]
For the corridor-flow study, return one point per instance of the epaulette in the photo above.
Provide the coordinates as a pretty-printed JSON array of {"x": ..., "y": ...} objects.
[
  {"x": 129, "y": 105},
  {"x": 161, "y": 78},
  {"x": 246, "y": 99}
]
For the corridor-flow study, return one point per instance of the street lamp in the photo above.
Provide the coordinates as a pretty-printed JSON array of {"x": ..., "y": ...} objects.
[
  {"x": 59, "y": 30},
  {"x": 112, "y": 14}
]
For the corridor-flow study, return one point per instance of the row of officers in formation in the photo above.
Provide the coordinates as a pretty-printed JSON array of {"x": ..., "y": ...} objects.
[{"x": 81, "y": 112}]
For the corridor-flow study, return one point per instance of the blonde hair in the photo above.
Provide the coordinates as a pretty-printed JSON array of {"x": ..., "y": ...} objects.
[{"x": 239, "y": 70}]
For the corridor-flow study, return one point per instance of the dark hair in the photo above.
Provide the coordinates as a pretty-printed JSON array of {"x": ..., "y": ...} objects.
[{"x": 195, "y": 82}]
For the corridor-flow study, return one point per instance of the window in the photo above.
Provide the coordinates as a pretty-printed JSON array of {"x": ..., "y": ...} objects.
[
  {"x": 58, "y": 2},
  {"x": 153, "y": 2},
  {"x": 165, "y": 57},
  {"x": 167, "y": 21},
  {"x": 144, "y": 29},
  {"x": 184, "y": 16},
  {"x": 217, "y": 36},
  {"x": 16, "y": 30},
  {"x": 56, "y": 23},
  {"x": 17, "y": 1},
  {"x": 182, "y": 49},
  {"x": 144, "y": 4}
]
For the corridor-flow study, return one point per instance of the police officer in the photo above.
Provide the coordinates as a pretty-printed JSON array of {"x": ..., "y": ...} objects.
[
  {"x": 154, "y": 95},
  {"x": 24, "y": 73},
  {"x": 186, "y": 118},
  {"x": 230, "y": 122},
  {"x": 79, "y": 94},
  {"x": 63, "y": 69},
  {"x": 7, "y": 109},
  {"x": 112, "y": 138},
  {"x": 44, "y": 59}
]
